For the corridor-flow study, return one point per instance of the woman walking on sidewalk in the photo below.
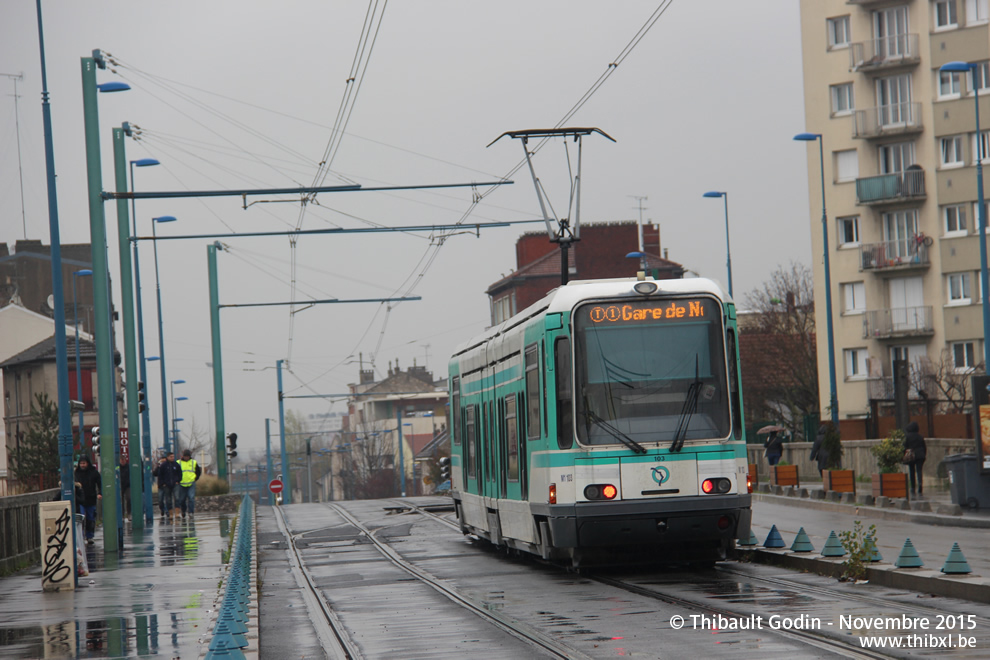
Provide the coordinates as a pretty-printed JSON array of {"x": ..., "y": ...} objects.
[
  {"x": 89, "y": 487},
  {"x": 915, "y": 444}
]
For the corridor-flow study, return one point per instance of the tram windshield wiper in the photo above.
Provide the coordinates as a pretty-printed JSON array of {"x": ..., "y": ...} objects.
[
  {"x": 614, "y": 432},
  {"x": 688, "y": 409}
]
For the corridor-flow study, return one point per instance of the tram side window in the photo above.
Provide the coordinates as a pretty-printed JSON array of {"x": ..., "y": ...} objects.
[
  {"x": 455, "y": 408},
  {"x": 512, "y": 439},
  {"x": 533, "y": 391},
  {"x": 565, "y": 417},
  {"x": 469, "y": 440},
  {"x": 736, "y": 400}
]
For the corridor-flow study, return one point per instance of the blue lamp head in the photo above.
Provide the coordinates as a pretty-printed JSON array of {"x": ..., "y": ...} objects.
[
  {"x": 807, "y": 137},
  {"x": 956, "y": 67},
  {"x": 181, "y": 398},
  {"x": 145, "y": 162},
  {"x": 83, "y": 272},
  {"x": 178, "y": 382},
  {"x": 164, "y": 218},
  {"x": 113, "y": 87},
  {"x": 713, "y": 193},
  {"x": 152, "y": 358},
  {"x": 636, "y": 255}
]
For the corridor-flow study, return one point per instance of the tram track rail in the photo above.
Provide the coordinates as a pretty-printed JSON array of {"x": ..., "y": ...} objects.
[
  {"x": 818, "y": 640},
  {"x": 504, "y": 622},
  {"x": 331, "y": 631}
]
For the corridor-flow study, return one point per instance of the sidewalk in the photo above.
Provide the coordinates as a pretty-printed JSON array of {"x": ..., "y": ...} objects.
[{"x": 156, "y": 598}]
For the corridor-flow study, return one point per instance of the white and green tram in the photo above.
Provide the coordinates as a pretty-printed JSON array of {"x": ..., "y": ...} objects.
[{"x": 604, "y": 423}]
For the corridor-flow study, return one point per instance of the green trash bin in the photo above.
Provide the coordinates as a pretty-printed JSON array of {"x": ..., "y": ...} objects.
[{"x": 967, "y": 486}]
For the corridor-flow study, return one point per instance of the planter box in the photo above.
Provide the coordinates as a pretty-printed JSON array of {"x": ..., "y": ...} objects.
[
  {"x": 841, "y": 481},
  {"x": 890, "y": 485},
  {"x": 784, "y": 475}
]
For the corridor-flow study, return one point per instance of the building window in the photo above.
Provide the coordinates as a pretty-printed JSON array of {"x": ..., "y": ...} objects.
[
  {"x": 855, "y": 363},
  {"x": 976, "y": 11},
  {"x": 848, "y": 231},
  {"x": 986, "y": 215},
  {"x": 954, "y": 217},
  {"x": 981, "y": 147},
  {"x": 895, "y": 158},
  {"x": 503, "y": 308},
  {"x": 838, "y": 32},
  {"x": 842, "y": 99},
  {"x": 945, "y": 14},
  {"x": 963, "y": 356},
  {"x": 952, "y": 151},
  {"x": 959, "y": 292},
  {"x": 948, "y": 85},
  {"x": 846, "y": 165},
  {"x": 979, "y": 76},
  {"x": 854, "y": 297},
  {"x": 894, "y": 100}
]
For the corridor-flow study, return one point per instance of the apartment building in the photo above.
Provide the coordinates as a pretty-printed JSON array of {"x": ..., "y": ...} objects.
[{"x": 900, "y": 150}]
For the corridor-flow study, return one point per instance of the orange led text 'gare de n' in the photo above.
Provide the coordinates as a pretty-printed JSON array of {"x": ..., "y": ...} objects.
[{"x": 670, "y": 310}]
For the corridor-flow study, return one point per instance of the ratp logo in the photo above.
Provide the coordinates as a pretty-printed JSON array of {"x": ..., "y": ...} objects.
[{"x": 660, "y": 474}]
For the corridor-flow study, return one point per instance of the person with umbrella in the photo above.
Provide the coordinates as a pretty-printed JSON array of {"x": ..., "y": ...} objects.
[{"x": 774, "y": 444}]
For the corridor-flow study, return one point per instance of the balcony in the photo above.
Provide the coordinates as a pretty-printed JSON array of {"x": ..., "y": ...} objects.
[
  {"x": 870, "y": 3},
  {"x": 891, "y": 188},
  {"x": 895, "y": 256},
  {"x": 887, "y": 120},
  {"x": 884, "y": 53},
  {"x": 898, "y": 322}
]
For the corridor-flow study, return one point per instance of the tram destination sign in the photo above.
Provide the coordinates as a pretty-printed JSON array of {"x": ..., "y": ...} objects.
[{"x": 670, "y": 310}]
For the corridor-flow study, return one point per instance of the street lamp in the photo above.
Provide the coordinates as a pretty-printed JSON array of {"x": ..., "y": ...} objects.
[
  {"x": 960, "y": 67},
  {"x": 833, "y": 394},
  {"x": 142, "y": 361},
  {"x": 176, "y": 420},
  {"x": 161, "y": 336},
  {"x": 75, "y": 313},
  {"x": 728, "y": 252},
  {"x": 102, "y": 330},
  {"x": 172, "y": 384}
]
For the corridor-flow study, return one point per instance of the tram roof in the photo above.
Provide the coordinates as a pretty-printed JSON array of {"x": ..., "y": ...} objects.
[{"x": 564, "y": 298}]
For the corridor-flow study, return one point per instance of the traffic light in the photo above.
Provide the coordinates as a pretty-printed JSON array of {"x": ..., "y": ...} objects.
[
  {"x": 140, "y": 396},
  {"x": 444, "y": 469},
  {"x": 95, "y": 438},
  {"x": 232, "y": 445}
]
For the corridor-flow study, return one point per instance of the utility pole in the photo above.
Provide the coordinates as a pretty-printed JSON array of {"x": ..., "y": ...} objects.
[
  {"x": 640, "y": 200},
  {"x": 17, "y": 130}
]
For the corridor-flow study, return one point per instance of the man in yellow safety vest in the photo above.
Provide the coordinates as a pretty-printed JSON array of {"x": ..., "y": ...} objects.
[{"x": 185, "y": 498}]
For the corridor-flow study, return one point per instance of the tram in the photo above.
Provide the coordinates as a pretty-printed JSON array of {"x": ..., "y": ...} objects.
[{"x": 604, "y": 424}]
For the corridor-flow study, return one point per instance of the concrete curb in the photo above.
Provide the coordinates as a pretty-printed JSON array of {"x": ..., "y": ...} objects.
[
  {"x": 965, "y": 587},
  {"x": 799, "y": 499}
]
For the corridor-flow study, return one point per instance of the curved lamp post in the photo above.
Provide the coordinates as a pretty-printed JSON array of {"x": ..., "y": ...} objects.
[
  {"x": 145, "y": 415},
  {"x": 172, "y": 384},
  {"x": 833, "y": 394},
  {"x": 960, "y": 67},
  {"x": 75, "y": 312},
  {"x": 161, "y": 336},
  {"x": 728, "y": 252}
]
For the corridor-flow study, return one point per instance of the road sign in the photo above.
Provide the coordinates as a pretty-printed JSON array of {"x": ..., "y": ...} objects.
[
  {"x": 125, "y": 447},
  {"x": 275, "y": 485}
]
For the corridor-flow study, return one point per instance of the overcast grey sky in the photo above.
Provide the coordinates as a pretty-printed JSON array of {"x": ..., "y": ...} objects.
[{"x": 244, "y": 94}]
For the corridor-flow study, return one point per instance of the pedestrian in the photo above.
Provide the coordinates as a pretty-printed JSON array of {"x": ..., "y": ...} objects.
[
  {"x": 774, "y": 447},
  {"x": 817, "y": 452},
  {"x": 915, "y": 452},
  {"x": 186, "y": 499},
  {"x": 168, "y": 474},
  {"x": 89, "y": 491},
  {"x": 125, "y": 485}
]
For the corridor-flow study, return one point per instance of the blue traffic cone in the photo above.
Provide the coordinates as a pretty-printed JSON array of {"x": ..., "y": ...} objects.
[
  {"x": 833, "y": 547},
  {"x": 802, "y": 543},
  {"x": 956, "y": 562},
  {"x": 774, "y": 539},
  {"x": 875, "y": 555},
  {"x": 909, "y": 557},
  {"x": 752, "y": 540}
]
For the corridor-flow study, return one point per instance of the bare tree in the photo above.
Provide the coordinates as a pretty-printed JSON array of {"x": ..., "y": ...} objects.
[
  {"x": 943, "y": 381},
  {"x": 780, "y": 363}
]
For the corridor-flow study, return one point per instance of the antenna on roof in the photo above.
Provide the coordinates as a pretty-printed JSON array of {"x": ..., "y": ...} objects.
[{"x": 565, "y": 232}]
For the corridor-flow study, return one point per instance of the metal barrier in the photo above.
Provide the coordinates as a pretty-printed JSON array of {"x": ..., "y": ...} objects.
[
  {"x": 20, "y": 529},
  {"x": 231, "y": 626}
]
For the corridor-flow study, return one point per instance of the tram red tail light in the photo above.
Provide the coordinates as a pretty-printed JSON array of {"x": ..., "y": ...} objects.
[
  {"x": 600, "y": 492},
  {"x": 724, "y": 522},
  {"x": 553, "y": 493},
  {"x": 749, "y": 483},
  {"x": 718, "y": 485}
]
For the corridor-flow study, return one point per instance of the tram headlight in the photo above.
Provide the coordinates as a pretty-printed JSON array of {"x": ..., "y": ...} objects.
[{"x": 645, "y": 288}]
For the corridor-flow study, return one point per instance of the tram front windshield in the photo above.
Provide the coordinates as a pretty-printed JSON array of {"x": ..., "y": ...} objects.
[{"x": 650, "y": 371}]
